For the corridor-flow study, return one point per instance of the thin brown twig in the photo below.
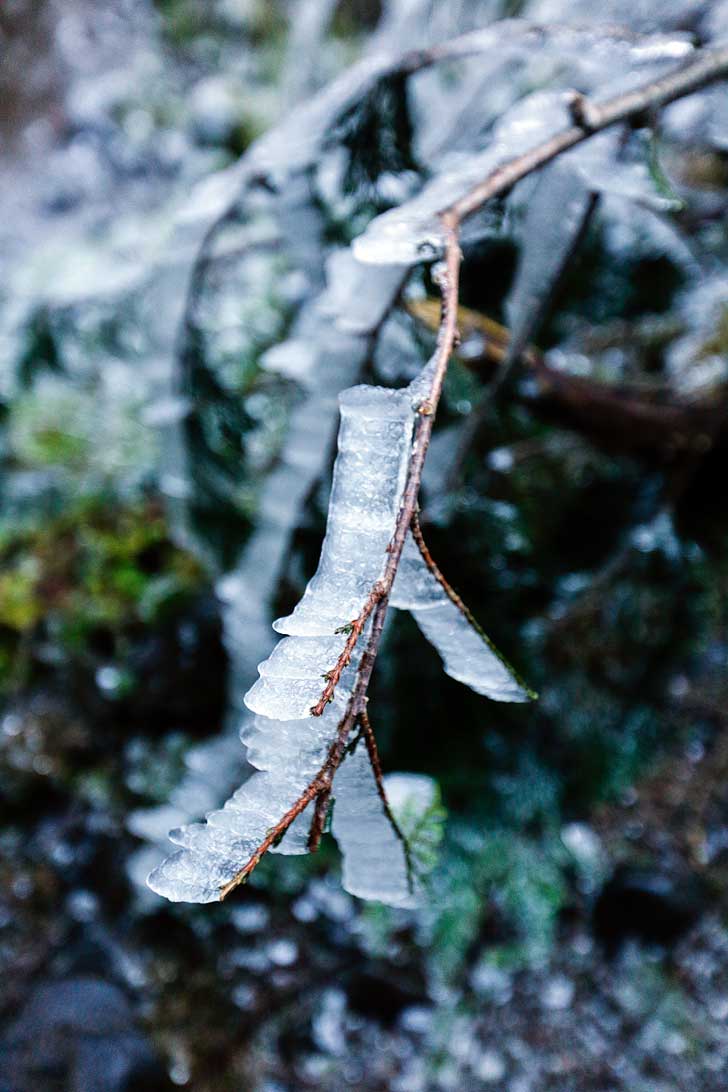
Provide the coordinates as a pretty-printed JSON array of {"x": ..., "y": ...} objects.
[
  {"x": 354, "y": 630},
  {"x": 370, "y": 741},
  {"x": 708, "y": 66},
  {"x": 432, "y": 566},
  {"x": 273, "y": 835}
]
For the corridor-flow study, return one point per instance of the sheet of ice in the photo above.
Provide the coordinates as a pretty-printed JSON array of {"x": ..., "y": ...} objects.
[
  {"x": 554, "y": 218},
  {"x": 334, "y": 352},
  {"x": 374, "y": 864},
  {"x": 328, "y": 345},
  {"x": 466, "y": 653},
  {"x": 293, "y": 677},
  {"x": 356, "y": 297},
  {"x": 368, "y": 480},
  {"x": 212, "y": 853}
]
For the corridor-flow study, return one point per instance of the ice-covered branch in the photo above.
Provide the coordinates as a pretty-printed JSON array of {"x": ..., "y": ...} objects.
[{"x": 335, "y": 631}]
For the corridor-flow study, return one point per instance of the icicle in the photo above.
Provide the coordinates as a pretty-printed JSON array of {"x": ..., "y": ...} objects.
[
  {"x": 286, "y": 743},
  {"x": 381, "y": 861},
  {"x": 466, "y": 653}
]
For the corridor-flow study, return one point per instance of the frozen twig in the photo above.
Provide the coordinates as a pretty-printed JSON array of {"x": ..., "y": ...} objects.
[{"x": 704, "y": 68}]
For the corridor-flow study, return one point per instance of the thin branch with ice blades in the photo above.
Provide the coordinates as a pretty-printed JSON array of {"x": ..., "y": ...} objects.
[{"x": 315, "y": 627}]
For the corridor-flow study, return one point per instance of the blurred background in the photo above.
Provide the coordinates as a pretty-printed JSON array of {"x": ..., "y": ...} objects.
[{"x": 574, "y": 939}]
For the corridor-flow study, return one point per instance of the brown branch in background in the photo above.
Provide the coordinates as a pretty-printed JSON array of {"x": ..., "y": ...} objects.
[
  {"x": 646, "y": 419},
  {"x": 708, "y": 66}
]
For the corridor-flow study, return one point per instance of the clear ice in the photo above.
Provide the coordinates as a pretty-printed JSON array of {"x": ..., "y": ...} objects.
[
  {"x": 285, "y": 743},
  {"x": 375, "y": 862},
  {"x": 466, "y": 653},
  {"x": 368, "y": 480}
]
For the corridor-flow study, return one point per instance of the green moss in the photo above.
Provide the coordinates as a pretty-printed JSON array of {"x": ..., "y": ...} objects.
[
  {"x": 20, "y": 602},
  {"x": 97, "y": 565}
]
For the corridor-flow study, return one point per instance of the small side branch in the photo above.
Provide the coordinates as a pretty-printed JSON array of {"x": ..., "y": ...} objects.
[
  {"x": 318, "y": 789},
  {"x": 373, "y": 751},
  {"x": 432, "y": 566},
  {"x": 354, "y": 630},
  {"x": 273, "y": 836}
]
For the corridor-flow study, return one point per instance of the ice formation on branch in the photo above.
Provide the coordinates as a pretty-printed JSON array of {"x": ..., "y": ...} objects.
[
  {"x": 466, "y": 653},
  {"x": 328, "y": 344},
  {"x": 288, "y": 754},
  {"x": 286, "y": 743},
  {"x": 369, "y": 476},
  {"x": 375, "y": 856},
  {"x": 412, "y": 232}
]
